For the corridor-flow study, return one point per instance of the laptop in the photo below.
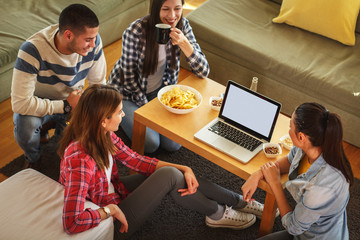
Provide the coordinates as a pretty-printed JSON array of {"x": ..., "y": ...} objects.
[{"x": 246, "y": 120}]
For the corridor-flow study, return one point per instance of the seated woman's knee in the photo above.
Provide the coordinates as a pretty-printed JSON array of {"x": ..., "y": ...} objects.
[{"x": 172, "y": 174}]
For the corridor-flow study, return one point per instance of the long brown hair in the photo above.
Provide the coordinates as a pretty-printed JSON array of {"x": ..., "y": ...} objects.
[
  {"x": 324, "y": 130},
  {"x": 96, "y": 103},
  {"x": 151, "y": 46}
]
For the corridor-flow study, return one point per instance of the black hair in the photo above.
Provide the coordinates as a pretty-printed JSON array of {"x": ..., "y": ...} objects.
[
  {"x": 151, "y": 46},
  {"x": 324, "y": 130},
  {"x": 76, "y": 17}
]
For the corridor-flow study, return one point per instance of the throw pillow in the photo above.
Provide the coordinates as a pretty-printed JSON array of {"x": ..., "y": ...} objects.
[{"x": 335, "y": 19}]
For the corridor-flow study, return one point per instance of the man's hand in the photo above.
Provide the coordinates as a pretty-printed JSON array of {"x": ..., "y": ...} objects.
[{"x": 74, "y": 97}]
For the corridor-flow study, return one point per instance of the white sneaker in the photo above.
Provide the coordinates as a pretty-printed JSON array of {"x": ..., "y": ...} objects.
[
  {"x": 232, "y": 219},
  {"x": 256, "y": 208}
]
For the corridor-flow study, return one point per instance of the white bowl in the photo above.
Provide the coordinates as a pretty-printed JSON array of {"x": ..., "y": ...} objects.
[
  {"x": 216, "y": 108},
  {"x": 198, "y": 97},
  {"x": 269, "y": 155},
  {"x": 286, "y": 142}
]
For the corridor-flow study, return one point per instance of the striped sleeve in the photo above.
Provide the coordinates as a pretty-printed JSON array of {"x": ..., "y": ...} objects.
[{"x": 23, "y": 100}]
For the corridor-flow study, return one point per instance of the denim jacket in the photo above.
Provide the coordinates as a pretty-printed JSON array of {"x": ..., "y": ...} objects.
[{"x": 321, "y": 194}]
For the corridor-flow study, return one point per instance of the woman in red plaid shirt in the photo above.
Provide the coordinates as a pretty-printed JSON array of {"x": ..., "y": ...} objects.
[{"x": 89, "y": 149}]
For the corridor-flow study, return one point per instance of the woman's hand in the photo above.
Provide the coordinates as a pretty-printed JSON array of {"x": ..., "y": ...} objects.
[
  {"x": 191, "y": 182},
  {"x": 178, "y": 38},
  {"x": 271, "y": 172},
  {"x": 116, "y": 212},
  {"x": 250, "y": 186}
]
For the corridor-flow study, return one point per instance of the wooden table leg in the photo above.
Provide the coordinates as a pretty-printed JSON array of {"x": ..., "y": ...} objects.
[
  {"x": 138, "y": 138},
  {"x": 268, "y": 217}
]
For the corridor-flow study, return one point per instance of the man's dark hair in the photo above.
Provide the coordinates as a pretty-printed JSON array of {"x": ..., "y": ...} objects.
[{"x": 76, "y": 17}]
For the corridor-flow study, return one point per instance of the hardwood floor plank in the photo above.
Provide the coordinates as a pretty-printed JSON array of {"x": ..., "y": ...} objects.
[{"x": 9, "y": 149}]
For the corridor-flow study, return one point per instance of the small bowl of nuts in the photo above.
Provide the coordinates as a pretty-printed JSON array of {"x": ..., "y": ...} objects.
[
  {"x": 215, "y": 102},
  {"x": 272, "y": 150}
]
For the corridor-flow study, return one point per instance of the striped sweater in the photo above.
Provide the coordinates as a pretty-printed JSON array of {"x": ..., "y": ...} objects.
[{"x": 43, "y": 76}]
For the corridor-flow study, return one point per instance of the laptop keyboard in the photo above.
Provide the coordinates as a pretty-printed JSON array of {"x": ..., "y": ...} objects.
[{"x": 235, "y": 136}]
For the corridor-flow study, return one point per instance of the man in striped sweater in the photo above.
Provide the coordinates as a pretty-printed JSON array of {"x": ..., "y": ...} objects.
[{"x": 50, "y": 73}]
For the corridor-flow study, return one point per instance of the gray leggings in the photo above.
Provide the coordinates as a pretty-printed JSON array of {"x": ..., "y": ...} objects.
[{"x": 147, "y": 193}]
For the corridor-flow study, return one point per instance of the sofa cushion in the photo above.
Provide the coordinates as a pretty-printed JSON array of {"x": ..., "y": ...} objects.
[
  {"x": 32, "y": 208},
  {"x": 40, "y": 14},
  {"x": 331, "y": 18},
  {"x": 308, "y": 62}
]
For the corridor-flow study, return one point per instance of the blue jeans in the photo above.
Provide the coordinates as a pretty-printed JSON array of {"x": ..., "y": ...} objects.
[
  {"x": 153, "y": 140},
  {"x": 27, "y": 132}
]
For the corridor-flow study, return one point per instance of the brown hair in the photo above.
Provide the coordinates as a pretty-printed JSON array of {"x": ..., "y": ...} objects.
[
  {"x": 151, "y": 46},
  {"x": 324, "y": 130},
  {"x": 96, "y": 103}
]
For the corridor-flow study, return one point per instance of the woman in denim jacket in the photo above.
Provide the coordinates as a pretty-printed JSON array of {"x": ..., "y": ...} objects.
[{"x": 319, "y": 177}]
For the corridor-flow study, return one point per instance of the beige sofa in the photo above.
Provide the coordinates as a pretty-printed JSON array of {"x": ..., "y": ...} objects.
[
  {"x": 240, "y": 41},
  {"x": 20, "y": 19}
]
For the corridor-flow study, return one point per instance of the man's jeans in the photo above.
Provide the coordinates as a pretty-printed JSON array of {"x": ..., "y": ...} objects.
[{"x": 27, "y": 132}]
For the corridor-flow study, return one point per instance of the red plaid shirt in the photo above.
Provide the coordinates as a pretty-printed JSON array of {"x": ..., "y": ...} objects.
[{"x": 84, "y": 181}]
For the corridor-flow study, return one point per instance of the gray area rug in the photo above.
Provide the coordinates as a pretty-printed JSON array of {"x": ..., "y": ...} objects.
[{"x": 171, "y": 221}]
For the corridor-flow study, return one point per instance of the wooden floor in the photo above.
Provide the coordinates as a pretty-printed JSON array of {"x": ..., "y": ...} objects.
[{"x": 10, "y": 150}]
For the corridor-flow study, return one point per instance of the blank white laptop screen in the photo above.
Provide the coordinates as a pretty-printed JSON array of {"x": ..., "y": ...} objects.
[{"x": 251, "y": 112}]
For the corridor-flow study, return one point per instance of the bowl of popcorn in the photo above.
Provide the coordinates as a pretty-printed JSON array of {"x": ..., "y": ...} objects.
[
  {"x": 286, "y": 142},
  {"x": 215, "y": 102},
  {"x": 272, "y": 150},
  {"x": 179, "y": 99}
]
